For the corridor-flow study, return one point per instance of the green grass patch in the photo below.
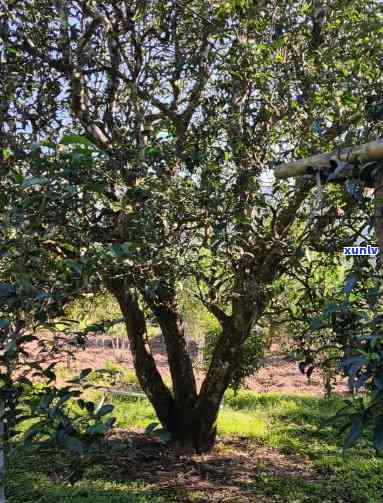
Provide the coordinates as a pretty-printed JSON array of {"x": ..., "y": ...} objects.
[
  {"x": 293, "y": 425},
  {"x": 41, "y": 483}
]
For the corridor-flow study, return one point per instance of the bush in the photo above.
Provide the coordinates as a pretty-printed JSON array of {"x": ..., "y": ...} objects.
[{"x": 251, "y": 358}]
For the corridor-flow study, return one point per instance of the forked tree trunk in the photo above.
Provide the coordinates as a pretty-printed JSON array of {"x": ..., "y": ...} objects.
[
  {"x": 148, "y": 376},
  {"x": 188, "y": 417}
]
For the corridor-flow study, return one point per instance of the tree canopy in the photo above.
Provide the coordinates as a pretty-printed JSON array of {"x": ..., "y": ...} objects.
[{"x": 137, "y": 137}]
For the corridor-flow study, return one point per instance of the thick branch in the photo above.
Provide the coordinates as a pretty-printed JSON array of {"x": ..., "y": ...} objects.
[
  {"x": 148, "y": 375},
  {"x": 184, "y": 385},
  {"x": 367, "y": 152}
]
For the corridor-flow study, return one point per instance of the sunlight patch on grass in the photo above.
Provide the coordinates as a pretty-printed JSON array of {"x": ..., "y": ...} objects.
[
  {"x": 290, "y": 424},
  {"x": 132, "y": 412},
  {"x": 238, "y": 423}
]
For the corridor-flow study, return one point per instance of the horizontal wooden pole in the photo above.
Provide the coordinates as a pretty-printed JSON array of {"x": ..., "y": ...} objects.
[{"x": 367, "y": 152}]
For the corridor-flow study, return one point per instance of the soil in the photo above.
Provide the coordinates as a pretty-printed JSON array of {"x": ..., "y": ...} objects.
[
  {"x": 231, "y": 472},
  {"x": 279, "y": 374}
]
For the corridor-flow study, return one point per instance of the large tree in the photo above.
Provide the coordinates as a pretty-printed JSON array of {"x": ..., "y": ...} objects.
[{"x": 182, "y": 108}]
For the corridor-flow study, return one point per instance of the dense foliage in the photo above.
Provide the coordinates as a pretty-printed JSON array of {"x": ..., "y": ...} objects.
[
  {"x": 250, "y": 361},
  {"x": 28, "y": 357},
  {"x": 137, "y": 138},
  {"x": 334, "y": 310}
]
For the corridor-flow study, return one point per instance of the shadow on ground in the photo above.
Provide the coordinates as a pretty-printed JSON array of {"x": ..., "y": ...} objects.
[{"x": 297, "y": 462}]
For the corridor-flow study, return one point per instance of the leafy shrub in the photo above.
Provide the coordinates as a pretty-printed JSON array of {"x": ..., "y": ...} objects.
[
  {"x": 349, "y": 328},
  {"x": 80, "y": 430},
  {"x": 197, "y": 318},
  {"x": 250, "y": 361}
]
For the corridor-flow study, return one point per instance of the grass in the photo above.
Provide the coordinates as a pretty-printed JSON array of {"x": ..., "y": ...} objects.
[
  {"x": 111, "y": 374},
  {"x": 39, "y": 489},
  {"x": 288, "y": 428}
]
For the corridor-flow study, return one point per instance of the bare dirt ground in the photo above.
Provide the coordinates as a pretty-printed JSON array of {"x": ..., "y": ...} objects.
[
  {"x": 280, "y": 373},
  {"x": 229, "y": 473}
]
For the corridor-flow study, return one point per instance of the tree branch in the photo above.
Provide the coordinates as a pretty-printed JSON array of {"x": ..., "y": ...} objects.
[{"x": 366, "y": 152}]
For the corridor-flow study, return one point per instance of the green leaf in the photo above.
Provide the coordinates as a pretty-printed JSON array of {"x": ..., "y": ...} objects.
[
  {"x": 6, "y": 153},
  {"x": 34, "y": 430},
  {"x": 105, "y": 409},
  {"x": 100, "y": 405},
  {"x": 96, "y": 429},
  {"x": 151, "y": 427},
  {"x": 316, "y": 323},
  {"x": 152, "y": 152},
  {"x": 3, "y": 323},
  {"x": 350, "y": 283},
  {"x": 164, "y": 436},
  {"x": 84, "y": 373},
  {"x": 34, "y": 180},
  {"x": 74, "y": 265},
  {"x": 329, "y": 309},
  {"x": 74, "y": 139},
  {"x": 110, "y": 422},
  {"x": 73, "y": 444},
  {"x": 354, "y": 433}
]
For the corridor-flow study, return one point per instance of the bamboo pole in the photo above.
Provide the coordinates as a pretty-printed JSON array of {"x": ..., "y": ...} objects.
[{"x": 366, "y": 152}]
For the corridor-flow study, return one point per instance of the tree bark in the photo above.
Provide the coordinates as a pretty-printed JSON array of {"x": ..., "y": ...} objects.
[
  {"x": 148, "y": 376},
  {"x": 180, "y": 365},
  {"x": 367, "y": 152},
  {"x": 224, "y": 362},
  {"x": 247, "y": 308},
  {"x": 225, "y": 358},
  {"x": 188, "y": 417}
]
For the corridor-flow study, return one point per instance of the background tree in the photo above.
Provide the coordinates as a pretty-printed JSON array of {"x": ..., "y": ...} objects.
[{"x": 187, "y": 107}]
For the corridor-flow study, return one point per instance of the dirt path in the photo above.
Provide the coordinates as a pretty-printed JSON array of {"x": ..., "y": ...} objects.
[{"x": 280, "y": 373}]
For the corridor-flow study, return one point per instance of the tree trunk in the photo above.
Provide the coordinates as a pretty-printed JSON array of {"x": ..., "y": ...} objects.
[
  {"x": 246, "y": 310},
  {"x": 224, "y": 361},
  {"x": 148, "y": 376},
  {"x": 180, "y": 364},
  {"x": 188, "y": 417}
]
